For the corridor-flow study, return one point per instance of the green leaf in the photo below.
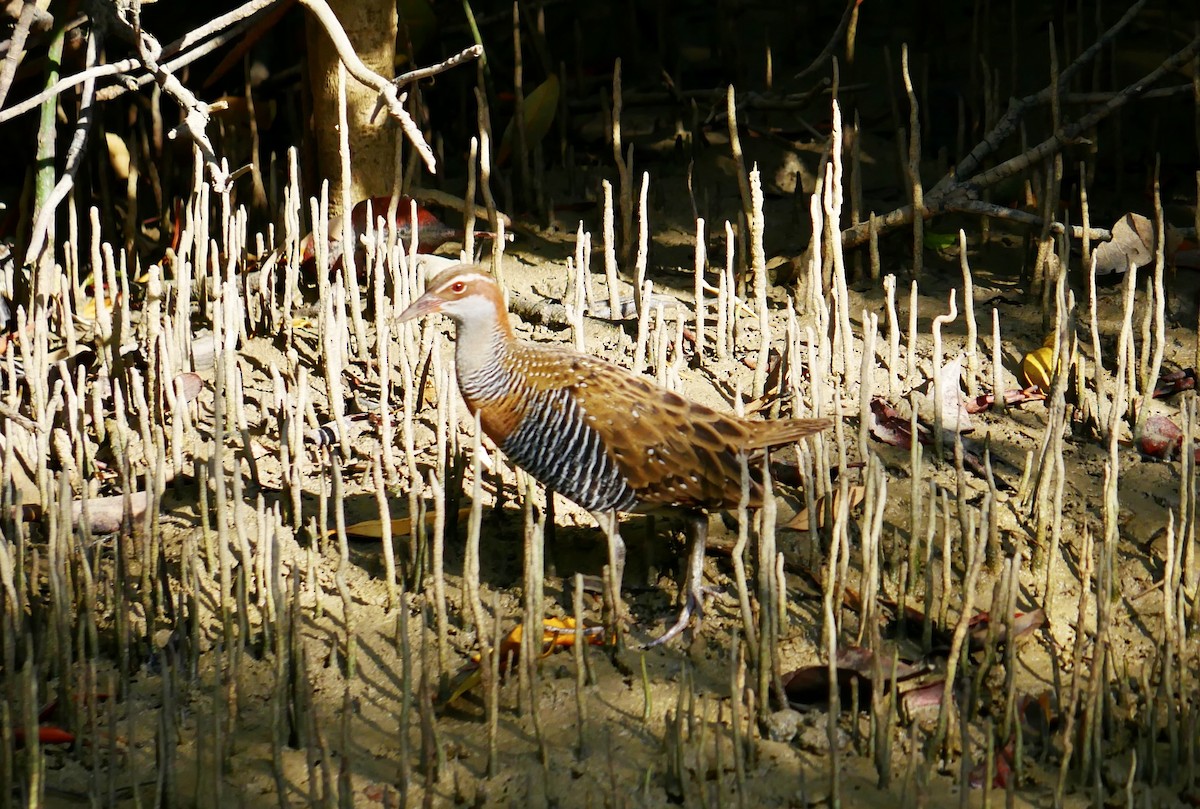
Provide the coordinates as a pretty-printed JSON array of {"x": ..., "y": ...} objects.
[
  {"x": 541, "y": 106},
  {"x": 940, "y": 241}
]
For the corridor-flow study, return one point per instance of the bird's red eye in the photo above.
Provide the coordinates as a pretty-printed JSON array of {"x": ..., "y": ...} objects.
[{"x": 458, "y": 286}]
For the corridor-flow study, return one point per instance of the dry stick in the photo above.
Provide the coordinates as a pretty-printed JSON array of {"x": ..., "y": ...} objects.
[
  {"x": 998, "y": 400},
  {"x": 914, "y": 165},
  {"x": 383, "y": 340},
  {"x": 938, "y": 322},
  {"x": 485, "y": 165},
  {"x": 343, "y": 565},
  {"x": 758, "y": 268},
  {"x": 911, "y": 346},
  {"x": 1097, "y": 356},
  {"x": 438, "y": 564},
  {"x": 768, "y": 599},
  {"x": 1050, "y": 446},
  {"x": 969, "y": 311},
  {"x": 1120, "y": 399},
  {"x": 624, "y": 168},
  {"x": 832, "y": 590},
  {"x": 535, "y": 532},
  {"x": 738, "y": 557},
  {"x": 866, "y": 388},
  {"x": 700, "y": 260},
  {"x": 490, "y": 662},
  {"x": 641, "y": 347},
  {"x": 16, "y": 47},
  {"x": 832, "y": 202},
  {"x": 580, "y": 669},
  {"x": 349, "y": 245},
  {"x": 935, "y": 746},
  {"x": 889, "y": 288},
  {"x": 583, "y": 265},
  {"x": 643, "y": 253},
  {"x": 610, "y": 254},
  {"x": 1169, "y": 650},
  {"x": 389, "y": 553},
  {"x": 1150, "y": 378},
  {"x": 1086, "y": 215},
  {"x": 724, "y": 293},
  {"x": 872, "y": 524},
  {"x": 735, "y": 146},
  {"x": 576, "y": 303},
  {"x": 737, "y": 688},
  {"x": 468, "y": 252},
  {"x": 471, "y": 563}
]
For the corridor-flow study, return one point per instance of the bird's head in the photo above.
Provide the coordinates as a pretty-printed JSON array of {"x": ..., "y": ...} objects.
[{"x": 463, "y": 292}]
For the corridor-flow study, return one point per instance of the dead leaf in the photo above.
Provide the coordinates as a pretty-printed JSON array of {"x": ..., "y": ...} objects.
[
  {"x": 801, "y": 523},
  {"x": 1132, "y": 245},
  {"x": 888, "y": 426},
  {"x": 955, "y": 417},
  {"x": 188, "y": 386},
  {"x": 855, "y": 666},
  {"x": 1175, "y": 382}
]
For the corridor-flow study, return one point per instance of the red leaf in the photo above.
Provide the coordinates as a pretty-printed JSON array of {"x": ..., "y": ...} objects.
[{"x": 1161, "y": 438}]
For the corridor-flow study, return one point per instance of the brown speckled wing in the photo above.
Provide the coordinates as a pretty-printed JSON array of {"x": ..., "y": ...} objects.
[{"x": 671, "y": 451}]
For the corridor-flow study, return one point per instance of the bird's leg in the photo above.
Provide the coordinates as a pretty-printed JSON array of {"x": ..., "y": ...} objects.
[
  {"x": 616, "y": 563},
  {"x": 693, "y": 604}
]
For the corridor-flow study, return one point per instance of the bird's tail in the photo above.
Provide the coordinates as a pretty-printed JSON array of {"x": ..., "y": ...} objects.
[{"x": 783, "y": 431}]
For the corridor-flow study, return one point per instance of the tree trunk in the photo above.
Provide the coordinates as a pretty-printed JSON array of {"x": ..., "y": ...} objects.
[{"x": 371, "y": 27}]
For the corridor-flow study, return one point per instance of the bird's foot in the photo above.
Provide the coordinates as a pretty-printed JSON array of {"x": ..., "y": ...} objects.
[{"x": 693, "y": 606}]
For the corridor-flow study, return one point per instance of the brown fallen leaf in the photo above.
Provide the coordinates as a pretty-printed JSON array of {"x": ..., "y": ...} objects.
[{"x": 801, "y": 522}]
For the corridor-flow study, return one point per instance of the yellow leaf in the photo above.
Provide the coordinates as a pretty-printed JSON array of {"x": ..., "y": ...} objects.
[
  {"x": 401, "y": 526},
  {"x": 118, "y": 155},
  {"x": 1037, "y": 367},
  {"x": 540, "y": 108}
]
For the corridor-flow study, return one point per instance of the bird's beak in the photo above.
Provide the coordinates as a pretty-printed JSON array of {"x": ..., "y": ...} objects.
[{"x": 427, "y": 304}]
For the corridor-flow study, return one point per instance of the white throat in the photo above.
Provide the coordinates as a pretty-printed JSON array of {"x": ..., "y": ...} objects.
[{"x": 479, "y": 342}]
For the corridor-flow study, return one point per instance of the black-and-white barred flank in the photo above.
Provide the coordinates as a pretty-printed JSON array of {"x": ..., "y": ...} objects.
[{"x": 555, "y": 444}]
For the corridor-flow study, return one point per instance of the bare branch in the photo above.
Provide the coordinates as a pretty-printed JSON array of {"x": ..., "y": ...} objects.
[
  {"x": 192, "y": 45},
  {"x": 1069, "y": 133},
  {"x": 473, "y": 52},
  {"x": 1007, "y": 125},
  {"x": 16, "y": 48}
]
